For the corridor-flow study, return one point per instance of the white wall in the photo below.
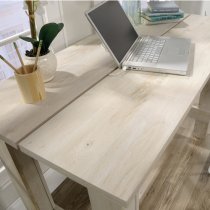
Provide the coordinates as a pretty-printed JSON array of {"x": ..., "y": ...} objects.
[
  {"x": 76, "y": 24},
  {"x": 71, "y": 13},
  {"x": 195, "y": 7}
]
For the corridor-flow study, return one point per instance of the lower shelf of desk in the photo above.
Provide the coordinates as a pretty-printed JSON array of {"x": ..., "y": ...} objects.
[
  {"x": 71, "y": 196},
  {"x": 179, "y": 181}
]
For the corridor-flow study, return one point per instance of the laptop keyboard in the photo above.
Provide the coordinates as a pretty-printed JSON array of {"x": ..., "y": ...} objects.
[{"x": 148, "y": 50}]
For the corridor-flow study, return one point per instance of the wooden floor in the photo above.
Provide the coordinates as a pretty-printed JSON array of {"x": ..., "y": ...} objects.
[
  {"x": 182, "y": 184},
  {"x": 76, "y": 196}
]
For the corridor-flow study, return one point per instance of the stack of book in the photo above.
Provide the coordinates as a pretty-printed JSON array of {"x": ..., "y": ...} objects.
[{"x": 161, "y": 12}]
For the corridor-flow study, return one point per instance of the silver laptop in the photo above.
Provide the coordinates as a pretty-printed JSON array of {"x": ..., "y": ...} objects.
[{"x": 131, "y": 51}]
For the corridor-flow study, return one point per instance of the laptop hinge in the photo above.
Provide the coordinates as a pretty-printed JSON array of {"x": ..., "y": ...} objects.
[{"x": 130, "y": 51}]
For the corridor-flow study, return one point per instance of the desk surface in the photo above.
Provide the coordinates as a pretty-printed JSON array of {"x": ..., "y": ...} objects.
[
  {"x": 79, "y": 67},
  {"x": 110, "y": 137}
]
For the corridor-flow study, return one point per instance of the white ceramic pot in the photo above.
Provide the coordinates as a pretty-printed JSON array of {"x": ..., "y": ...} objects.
[{"x": 47, "y": 64}]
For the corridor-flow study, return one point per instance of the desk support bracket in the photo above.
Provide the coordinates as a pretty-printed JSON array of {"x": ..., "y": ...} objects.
[
  {"x": 202, "y": 113},
  {"x": 100, "y": 202}
]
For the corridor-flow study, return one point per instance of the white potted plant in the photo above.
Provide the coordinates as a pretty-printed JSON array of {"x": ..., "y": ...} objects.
[{"x": 47, "y": 61}]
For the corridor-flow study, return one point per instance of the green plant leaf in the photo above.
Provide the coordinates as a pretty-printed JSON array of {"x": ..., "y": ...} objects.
[
  {"x": 48, "y": 33},
  {"x": 28, "y": 39},
  {"x": 34, "y": 42}
]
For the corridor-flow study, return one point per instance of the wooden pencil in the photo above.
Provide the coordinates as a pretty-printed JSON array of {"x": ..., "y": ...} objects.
[
  {"x": 20, "y": 58},
  {"x": 9, "y": 64},
  {"x": 37, "y": 55}
]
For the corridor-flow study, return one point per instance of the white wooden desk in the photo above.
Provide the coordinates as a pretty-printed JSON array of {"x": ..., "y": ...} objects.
[
  {"x": 77, "y": 71},
  {"x": 109, "y": 138},
  {"x": 79, "y": 68}
]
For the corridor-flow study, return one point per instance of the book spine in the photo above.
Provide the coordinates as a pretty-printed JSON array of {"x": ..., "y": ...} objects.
[
  {"x": 147, "y": 13},
  {"x": 161, "y": 10},
  {"x": 147, "y": 22},
  {"x": 165, "y": 18},
  {"x": 160, "y": 18}
]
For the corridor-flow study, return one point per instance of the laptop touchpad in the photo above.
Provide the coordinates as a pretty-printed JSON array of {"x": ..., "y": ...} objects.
[{"x": 173, "y": 51}]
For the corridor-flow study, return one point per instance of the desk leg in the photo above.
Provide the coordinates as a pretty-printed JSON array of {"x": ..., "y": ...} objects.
[
  {"x": 100, "y": 202},
  {"x": 27, "y": 178},
  {"x": 201, "y": 126}
]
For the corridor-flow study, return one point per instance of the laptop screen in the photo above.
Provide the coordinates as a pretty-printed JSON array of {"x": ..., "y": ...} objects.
[{"x": 115, "y": 27}]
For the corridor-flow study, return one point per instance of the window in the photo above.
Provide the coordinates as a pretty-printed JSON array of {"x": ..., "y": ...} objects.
[{"x": 13, "y": 21}]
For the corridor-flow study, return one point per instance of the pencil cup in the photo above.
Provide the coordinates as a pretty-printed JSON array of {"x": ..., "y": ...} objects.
[{"x": 31, "y": 85}]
